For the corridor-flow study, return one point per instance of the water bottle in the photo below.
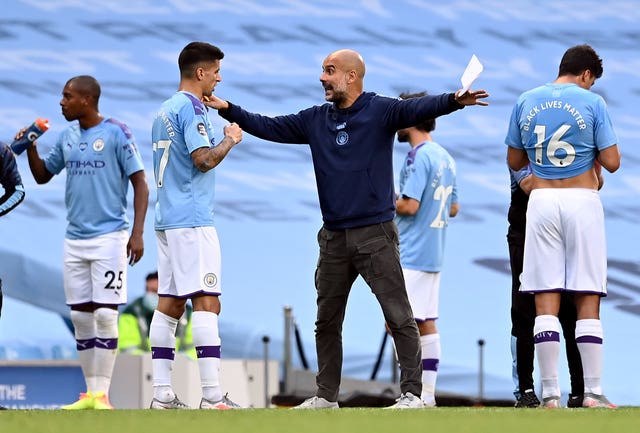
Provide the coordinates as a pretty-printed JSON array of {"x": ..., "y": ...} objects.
[{"x": 32, "y": 133}]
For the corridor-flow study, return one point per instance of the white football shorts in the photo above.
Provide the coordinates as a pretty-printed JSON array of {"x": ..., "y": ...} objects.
[
  {"x": 565, "y": 247},
  {"x": 423, "y": 289},
  {"x": 189, "y": 262},
  {"x": 95, "y": 270}
]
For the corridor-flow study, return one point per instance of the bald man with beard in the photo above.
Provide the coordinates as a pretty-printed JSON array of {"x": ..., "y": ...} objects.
[{"x": 351, "y": 140}]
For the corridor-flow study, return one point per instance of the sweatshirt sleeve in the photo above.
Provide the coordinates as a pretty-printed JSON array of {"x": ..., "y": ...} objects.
[
  {"x": 10, "y": 180},
  {"x": 282, "y": 129},
  {"x": 408, "y": 112}
]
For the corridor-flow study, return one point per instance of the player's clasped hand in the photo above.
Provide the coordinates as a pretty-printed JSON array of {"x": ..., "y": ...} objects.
[{"x": 234, "y": 132}]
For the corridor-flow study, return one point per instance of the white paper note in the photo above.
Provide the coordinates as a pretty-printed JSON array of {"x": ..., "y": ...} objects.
[{"x": 470, "y": 74}]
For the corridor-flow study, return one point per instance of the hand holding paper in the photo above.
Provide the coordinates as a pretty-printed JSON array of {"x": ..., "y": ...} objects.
[{"x": 470, "y": 74}]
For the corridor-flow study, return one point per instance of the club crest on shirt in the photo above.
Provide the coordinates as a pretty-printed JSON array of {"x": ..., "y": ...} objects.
[
  {"x": 202, "y": 130},
  {"x": 342, "y": 138},
  {"x": 98, "y": 145},
  {"x": 210, "y": 280}
]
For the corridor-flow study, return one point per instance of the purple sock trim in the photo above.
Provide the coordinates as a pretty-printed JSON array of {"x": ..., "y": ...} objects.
[
  {"x": 430, "y": 364},
  {"x": 544, "y": 336},
  {"x": 208, "y": 351},
  {"x": 106, "y": 343},
  {"x": 87, "y": 344},
  {"x": 589, "y": 339},
  {"x": 163, "y": 353}
]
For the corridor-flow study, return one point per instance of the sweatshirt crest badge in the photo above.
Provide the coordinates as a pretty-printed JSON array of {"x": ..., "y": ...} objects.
[{"x": 342, "y": 138}]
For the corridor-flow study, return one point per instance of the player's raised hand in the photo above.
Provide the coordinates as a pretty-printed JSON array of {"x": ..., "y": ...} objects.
[
  {"x": 472, "y": 97},
  {"x": 215, "y": 102}
]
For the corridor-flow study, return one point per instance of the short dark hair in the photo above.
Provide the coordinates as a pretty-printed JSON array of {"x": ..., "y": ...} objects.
[
  {"x": 87, "y": 85},
  {"x": 196, "y": 53},
  {"x": 578, "y": 59},
  {"x": 427, "y": 125},
  {"x": 152, "y": 276}
]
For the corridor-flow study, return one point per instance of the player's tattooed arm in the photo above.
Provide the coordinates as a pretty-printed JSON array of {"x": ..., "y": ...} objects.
[{"x": 206, "y": 158}]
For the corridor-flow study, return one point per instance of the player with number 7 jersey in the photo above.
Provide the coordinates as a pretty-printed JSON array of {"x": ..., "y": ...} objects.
[
  {"x": 185, "y": 194},
  {"x": 189, "y": 257},
  {"x": 564, "y": 130}
]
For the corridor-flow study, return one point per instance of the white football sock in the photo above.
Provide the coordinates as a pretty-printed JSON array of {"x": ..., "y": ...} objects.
[
  {"x": 430, "y": 359},
  {"x": 106, "y": 348},
  {"x": 206, "y": 339},
  {"x": 162, "y": 337},
  {"x": 85, "y": 334},
  {"x": 589, "y": 338},
  {"x": 546, "y": 334}
]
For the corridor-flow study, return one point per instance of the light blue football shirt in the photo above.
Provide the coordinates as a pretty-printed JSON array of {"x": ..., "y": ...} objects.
[
  {"x": 185, "y": 194},
  {"x": 561, "y": 126},
  {"x": 99, "y": 161},
  {"x": 428, "y": 175}
]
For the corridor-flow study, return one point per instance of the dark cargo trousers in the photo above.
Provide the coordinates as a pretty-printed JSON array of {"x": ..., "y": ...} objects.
[{"x": 372, "y": 252}]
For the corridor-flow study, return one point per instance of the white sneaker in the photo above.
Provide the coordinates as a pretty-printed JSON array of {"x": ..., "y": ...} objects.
[
  {"x": 429, "y": 403},
  {"x": 407, "y": 401},
  {"x": 316, "y": 402},
  {"x": 552, "y": 402},
  {"x": 224, "y": 404},
  {"x": 597, "y": 400},
  {"x": 173, "y": 404}
]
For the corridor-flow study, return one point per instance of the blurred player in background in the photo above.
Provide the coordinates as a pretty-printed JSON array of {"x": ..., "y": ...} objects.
[
  {"x": 100, "y": 158},
  {"x": 13, "y": 195},
  {"x": 564, "y": 131},
  {"x": 189, "y": 258},
  {"x": 428, "y": 196}
]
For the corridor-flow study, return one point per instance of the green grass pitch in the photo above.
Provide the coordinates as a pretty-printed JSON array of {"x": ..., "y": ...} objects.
[{"x": 351, "y": 420}]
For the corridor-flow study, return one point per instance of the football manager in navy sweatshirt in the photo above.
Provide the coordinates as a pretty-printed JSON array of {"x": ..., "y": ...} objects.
[{"x": 351, "y": 139}]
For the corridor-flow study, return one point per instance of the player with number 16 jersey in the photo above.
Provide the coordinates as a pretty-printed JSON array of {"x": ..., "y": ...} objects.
[
  {"x": 564, "y": 131},
  {"x": 561, "y": 127}
]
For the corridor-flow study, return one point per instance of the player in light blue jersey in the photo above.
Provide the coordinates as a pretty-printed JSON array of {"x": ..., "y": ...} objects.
[
  {"x": 185, "y": 193},
  {"x": 565, "y": 132},
  {"x": 100, "y": 158},
  {"x": 189, "y": 262},
  {"x": 428, "y": 196}
]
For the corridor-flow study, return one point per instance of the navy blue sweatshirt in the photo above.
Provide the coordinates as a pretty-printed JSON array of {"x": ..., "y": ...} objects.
[{"x": 352, "y": 149}]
